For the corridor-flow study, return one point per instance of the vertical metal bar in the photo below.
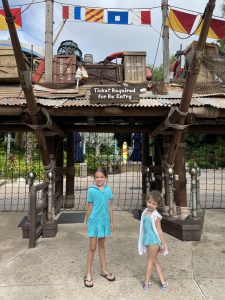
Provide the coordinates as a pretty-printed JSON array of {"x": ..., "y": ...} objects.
[
  {"x": 198, "y": 189},
  {"x": 32, "y": 227},
  {"x": 50, "y": 197},
  {"x": 193, "y": 193},
  {"x": 170, "y": 192}
]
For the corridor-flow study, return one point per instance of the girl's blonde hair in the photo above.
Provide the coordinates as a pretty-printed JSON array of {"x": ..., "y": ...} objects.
[{"x": 156, "y": 196}]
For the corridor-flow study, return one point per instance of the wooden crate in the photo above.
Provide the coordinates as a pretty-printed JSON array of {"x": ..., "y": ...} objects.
[
  {"x": 134, "y": 67},
  {"x": 64, "y": 68},
  {"x": 104, "y": 74},
  {"x": 207, "y": 71},
  {"x": 8, "y": 67}
]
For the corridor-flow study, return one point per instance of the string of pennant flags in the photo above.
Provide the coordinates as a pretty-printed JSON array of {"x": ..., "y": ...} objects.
[
  {"x": 178, "y": 21},
  {"x": 103, "y": 15}
]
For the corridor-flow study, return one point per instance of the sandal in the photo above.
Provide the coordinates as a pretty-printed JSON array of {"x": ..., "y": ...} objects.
[
  {"x": 147, "y": 286},
  {"x": 164, "y": 285},
  {"x": 85, "y": 282},
  {"x": 108, "y": 276}
]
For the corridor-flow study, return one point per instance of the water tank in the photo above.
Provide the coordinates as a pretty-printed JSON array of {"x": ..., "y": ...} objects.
[{"x": 88, "y": 59}]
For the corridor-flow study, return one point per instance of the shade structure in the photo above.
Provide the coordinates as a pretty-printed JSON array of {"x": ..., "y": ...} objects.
[
  {"x": 78, "y": 153},
  {"x": 136, "y": 154}
]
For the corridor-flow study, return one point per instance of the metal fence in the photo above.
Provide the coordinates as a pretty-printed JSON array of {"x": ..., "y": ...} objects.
[{"x": 19, "y": 155}]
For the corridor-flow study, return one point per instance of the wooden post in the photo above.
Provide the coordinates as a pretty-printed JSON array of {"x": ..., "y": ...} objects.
[
  {"x": 59, "y": 172},
  {"x": 24, "y": 76},
  {"x": 165, "y": 38},
  {"x": 158, "y": 149},
  {"x": 48, "y": 40},
  {"x": 166, "y": 145},
  {"x": 69, "y": 201},
  {"x": 180, "y": 193},
  {"x": 145, "y": 165}
]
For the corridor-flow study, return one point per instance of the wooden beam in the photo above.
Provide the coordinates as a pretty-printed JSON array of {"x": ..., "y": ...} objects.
[
  {"x": 179, "y": 116},
  {"x": 25, "y": 82}
]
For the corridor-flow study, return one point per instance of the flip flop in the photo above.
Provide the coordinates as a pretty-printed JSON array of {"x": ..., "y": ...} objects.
[
  {"x": 108, "y": 276},
  {"x": 85, "y": 282}
]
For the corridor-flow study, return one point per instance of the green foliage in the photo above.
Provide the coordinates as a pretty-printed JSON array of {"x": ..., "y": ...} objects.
[
  {"x": 157, "y": 73},
  {"x": 208, "y": 151}
]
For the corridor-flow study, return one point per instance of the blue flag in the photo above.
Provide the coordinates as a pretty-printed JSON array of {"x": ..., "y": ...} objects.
[{"x": 117, "y": 17}]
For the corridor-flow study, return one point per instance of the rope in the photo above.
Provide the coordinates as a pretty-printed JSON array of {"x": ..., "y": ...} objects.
[
  {"x": 40, "y": 126},
  {"x": 175, "y": 126}
]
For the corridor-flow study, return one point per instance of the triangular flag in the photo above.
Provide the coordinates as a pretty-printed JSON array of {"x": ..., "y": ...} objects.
[
  {"x": 216, "y": 29},
  {"x": 16, "y": 12},
  {"x": 180, "y": 21}
]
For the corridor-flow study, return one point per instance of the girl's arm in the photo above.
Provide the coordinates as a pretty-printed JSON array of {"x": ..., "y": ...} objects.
[
  {"x": 88, "y": 212},
  {"x": 160, "y": 233},
  {"x": 111, "y": 215}
]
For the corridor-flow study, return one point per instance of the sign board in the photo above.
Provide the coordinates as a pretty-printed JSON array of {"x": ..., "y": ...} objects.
[{"x": 114, "y": 94}]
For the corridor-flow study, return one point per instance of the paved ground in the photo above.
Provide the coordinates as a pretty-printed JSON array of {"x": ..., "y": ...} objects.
[{"x": 55, "y": 268}]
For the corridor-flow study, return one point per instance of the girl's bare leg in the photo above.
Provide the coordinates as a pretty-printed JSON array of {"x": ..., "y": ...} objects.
[
  {"x": 90, "y": 258},
  {"x": 152, "y": 254},
  {"x": 101, "y": 252},
  {"x": 159, "y": 270}
]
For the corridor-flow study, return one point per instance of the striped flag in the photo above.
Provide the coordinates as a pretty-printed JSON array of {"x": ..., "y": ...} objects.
[
  {"x": 141, "y": 17},
  {"x": 117, "y": 17},
  {"x": 180, "y": 21},
  {"x": 18, "y": 20},
  {"x": 94, "y": 14},
  {"x": 71, "y": 12},
  {"x": 216, "y": 29}
]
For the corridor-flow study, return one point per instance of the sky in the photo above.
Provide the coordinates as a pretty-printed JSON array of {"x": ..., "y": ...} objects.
[{"x": 102, "y": 40}]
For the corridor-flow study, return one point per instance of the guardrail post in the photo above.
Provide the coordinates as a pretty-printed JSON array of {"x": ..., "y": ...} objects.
[
  {"x": 26, "y": 226},
  {"x": 198, "y": 174},
  {"x": 193, "y": 174},
  {"x": 30, "y": 181},
  {"x": 50, "y": 176},
  {"x": 50, "y": 227},
  {"x": 170, "y": 172}
]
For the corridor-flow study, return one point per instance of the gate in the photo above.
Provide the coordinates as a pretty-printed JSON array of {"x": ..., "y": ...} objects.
[{"x": 19, "y": 154}]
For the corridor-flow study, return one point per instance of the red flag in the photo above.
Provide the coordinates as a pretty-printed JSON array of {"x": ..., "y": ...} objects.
[
  {"x": 180, "y": 21},
  {"x": 16, "y": 12}
]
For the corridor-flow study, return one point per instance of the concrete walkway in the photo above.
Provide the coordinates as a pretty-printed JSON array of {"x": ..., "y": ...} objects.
[{"x": 55, "y": 268}]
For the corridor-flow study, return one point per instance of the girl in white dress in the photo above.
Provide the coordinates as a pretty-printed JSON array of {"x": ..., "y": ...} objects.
[{"x": 151, "y": 239}]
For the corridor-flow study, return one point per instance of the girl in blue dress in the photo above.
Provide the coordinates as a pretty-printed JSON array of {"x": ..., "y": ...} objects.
[
  {"x": 99, "y": 218},
  {"x": 151, "y": 239}
]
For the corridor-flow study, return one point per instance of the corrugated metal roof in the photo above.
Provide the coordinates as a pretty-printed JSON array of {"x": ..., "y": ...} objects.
[
  {"x": 13, "y": 96},
  {"x": 82, "y": 102}
]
